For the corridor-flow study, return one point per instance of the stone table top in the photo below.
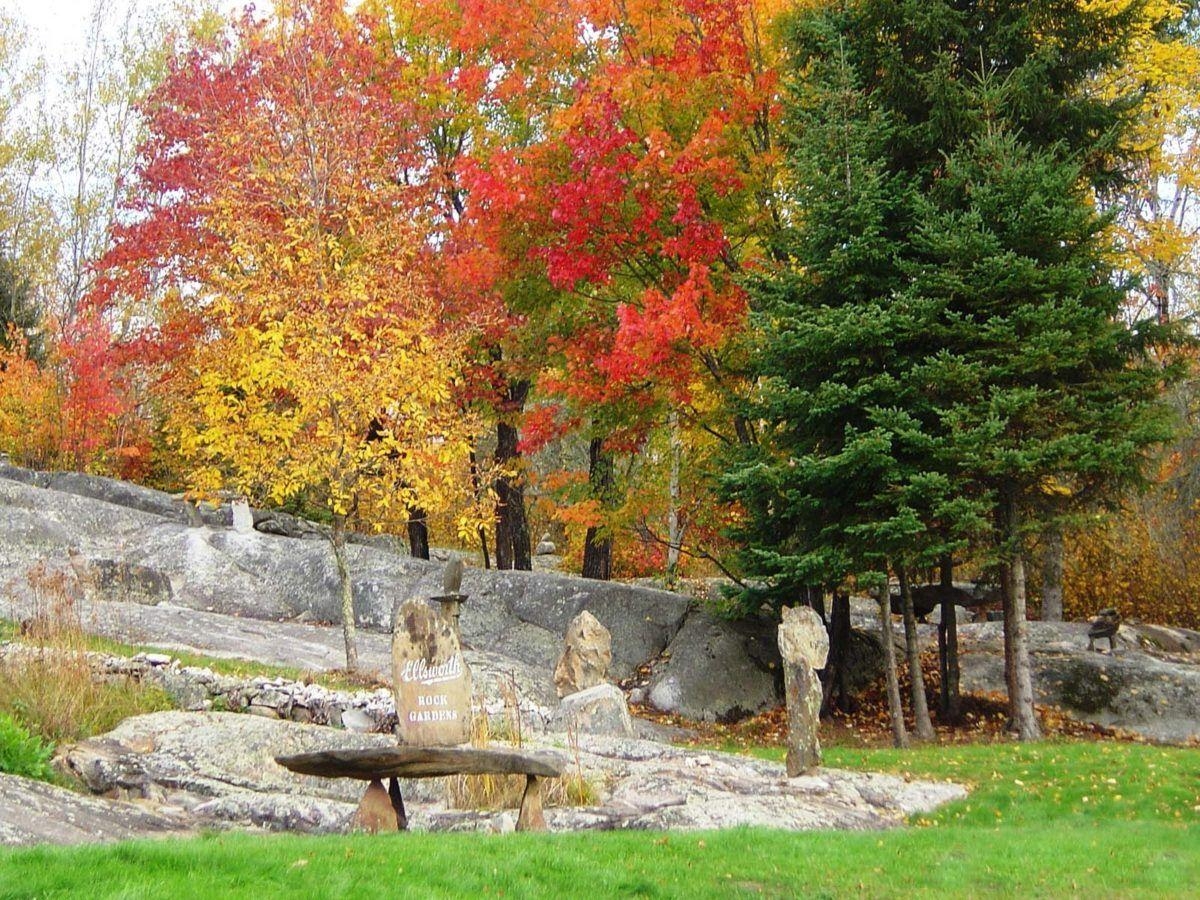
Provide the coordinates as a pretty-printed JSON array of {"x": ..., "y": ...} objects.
[{"x": 424, "y": 762}]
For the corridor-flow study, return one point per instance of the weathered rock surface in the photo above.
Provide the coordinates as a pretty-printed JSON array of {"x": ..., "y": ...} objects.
[
  {"x": 33, "y": 812},
  {"x": 600, "y": 709},
  {"x": 265, "y": 576},
  {"x": 718, "y": 670},
  {"x": 654, "y": 786},
  {"x": 144, "y": 575},
  {"x": 317, "y": 648},
  {"x": 587, "y": 654},
  {"x": 1157, "y": 696},
  {"x": 219, "y": 768}
]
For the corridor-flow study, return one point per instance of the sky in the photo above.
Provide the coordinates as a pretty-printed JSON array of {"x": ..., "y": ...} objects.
[{"x": 60, "y": 25}]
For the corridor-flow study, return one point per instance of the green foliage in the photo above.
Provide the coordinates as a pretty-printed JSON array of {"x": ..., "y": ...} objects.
[
  {"x": 21, "y": 753},
  {"x": 1099, "y": 819},
  {"x": 18, "y": 309},
  {"x": 942, "y": 344}
]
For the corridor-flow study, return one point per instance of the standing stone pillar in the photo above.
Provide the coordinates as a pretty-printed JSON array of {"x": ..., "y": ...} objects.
[
  {"x": 804, "y": 646},
  {"x": 587, "y": 654}
]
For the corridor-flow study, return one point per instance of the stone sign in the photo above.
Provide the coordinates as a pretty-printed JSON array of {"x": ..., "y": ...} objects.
[{"x": 431, "y": 680}]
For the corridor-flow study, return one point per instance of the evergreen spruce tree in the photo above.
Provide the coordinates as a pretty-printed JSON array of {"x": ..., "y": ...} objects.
[
  {"x": 846, "y": 482},
  {"x": 945, "y": 341}
]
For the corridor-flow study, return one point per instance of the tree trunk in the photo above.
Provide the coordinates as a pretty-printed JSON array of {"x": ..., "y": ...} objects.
[
  {"x": 418, "y": 534},
  {"x": 597, "y": 546},
  {"x": 923, "y": 726},
  {"x": 814, "y": 596},
  {"x": 513, "y": 550},
  {"x": 837, "y": 669},
  {"x": 950, "y": 700},
  {"x": 1052, "y": 575},
  {"x": 899, "y": 735},
  {"x": 338, "y": 539},
  {"x": 477, "y": 486},
  {"x": 1016, "y": 630},
  {"x": 674, "y": 531}
]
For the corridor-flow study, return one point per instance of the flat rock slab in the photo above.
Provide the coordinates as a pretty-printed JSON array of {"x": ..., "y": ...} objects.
[
  {"x": 424, "y": 762},
  {"x": 219, "y": 767},
  {"x": 33, "y": 812},
  {"x": 521, "y": 614}
]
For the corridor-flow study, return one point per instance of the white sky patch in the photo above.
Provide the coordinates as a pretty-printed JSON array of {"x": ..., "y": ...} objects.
[{"x": 60, "y": 27}]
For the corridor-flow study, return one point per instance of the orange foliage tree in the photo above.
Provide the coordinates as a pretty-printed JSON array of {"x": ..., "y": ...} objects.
[
  {"x": 73, "y": 409},
  {"x": 30, "y": 403},
  {"x": 622, "y": 216}
]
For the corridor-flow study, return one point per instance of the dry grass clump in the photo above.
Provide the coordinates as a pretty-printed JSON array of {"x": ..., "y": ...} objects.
[
  {"x": 505, "y": 791},
  {"x": 46, "y": 680}
]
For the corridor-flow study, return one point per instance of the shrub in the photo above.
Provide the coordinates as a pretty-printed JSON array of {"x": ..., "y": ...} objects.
[
  {"x": 22, "y": 753},
  {"x": 1134, "y": 562}
]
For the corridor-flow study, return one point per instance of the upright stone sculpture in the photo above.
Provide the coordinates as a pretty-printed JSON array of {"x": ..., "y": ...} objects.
[
  {"x": 243, "y": 519},
  {"x": 430, "y": 677},
  {"x": 804, "y": 646},
  {"x": 587, "y": 654}
]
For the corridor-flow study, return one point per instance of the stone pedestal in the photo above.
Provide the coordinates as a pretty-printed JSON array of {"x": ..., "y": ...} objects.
[{"x": 804, "y": 646}]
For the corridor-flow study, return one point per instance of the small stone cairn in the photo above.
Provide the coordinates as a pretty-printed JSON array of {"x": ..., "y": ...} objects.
[
  {"x": 804, "y": 646},
  {"x": 589, "y": 703}
]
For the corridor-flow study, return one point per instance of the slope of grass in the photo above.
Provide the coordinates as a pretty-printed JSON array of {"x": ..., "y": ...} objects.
[{"x": 1057, "y": 819}]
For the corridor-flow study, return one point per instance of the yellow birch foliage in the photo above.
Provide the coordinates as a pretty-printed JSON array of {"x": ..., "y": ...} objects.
[
  {"x": 1132, "y": 562},
  {"x": 325, "y": 365},
  {"x": 1156, "y": 226}
]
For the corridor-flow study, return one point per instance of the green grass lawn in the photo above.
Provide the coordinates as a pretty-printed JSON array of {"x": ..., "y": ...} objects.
[{"x": 1057, "y": 819}]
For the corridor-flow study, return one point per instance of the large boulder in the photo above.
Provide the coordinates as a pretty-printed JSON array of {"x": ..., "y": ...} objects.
[
  {"x": 717, "y": 670},
  {"x": 1157, "y": 696},
  {"x": 220, "y": 767},
  {"x": 108, "y": 490},
  {"x": 301, "y": 645},
  {"x": 600, "y": 709},
  {"x": 525, "y": 613},
  {"x": 266, "y": 576}
]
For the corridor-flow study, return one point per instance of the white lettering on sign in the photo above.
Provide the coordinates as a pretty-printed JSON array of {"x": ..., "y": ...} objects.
[
  {"x": 433, "y": 700},
  {"x": 433, "y": 715},
  {"x": 420, "y": 671}
]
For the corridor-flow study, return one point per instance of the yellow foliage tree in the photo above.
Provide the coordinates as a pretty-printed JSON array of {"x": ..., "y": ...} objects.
[
  {"x": 1156, "y": 222},
  {"x": 320, "y": 361},
  {"x": 30, "y": 406}
]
